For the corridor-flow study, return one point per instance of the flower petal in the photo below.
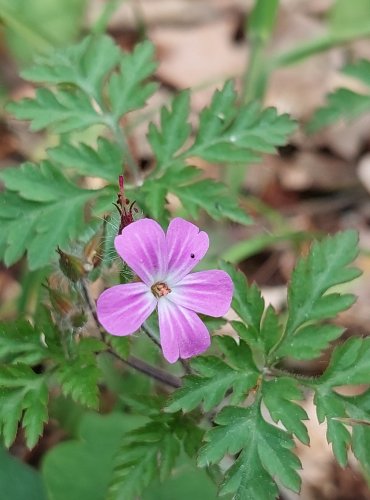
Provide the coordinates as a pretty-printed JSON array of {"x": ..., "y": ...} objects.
[
  {"x": 182, "y": 332},
  {"x": 142, "y": 245},
  {"x": 206, "y": 292},
  {"x": 186, "y": 247},
  {"x": 122, "y": 309}
]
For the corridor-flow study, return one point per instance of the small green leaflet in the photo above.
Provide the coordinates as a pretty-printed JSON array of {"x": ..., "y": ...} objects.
[
  {"x": 173, "y": 132},
  {"x": 105, "y": 161},
  {"x": 349, "y": 365},
  {"x": 227, "y": 132},
  {"x": 65, "y": 111},
  {"x": 278, "y": 395},
  {"x": 84, "y": 65},
  {"x": 23, "y": 397},
  {"x": 260, "y": 328},
  {"x": 128, "y": 89},
  {"x": 82, "y": 76},
  {"x": 147, "y": 453},
  {"x": 326, "y": 265},
  {"x": 79, "y": 376},
  {"x": 36, "y": 219},
  {"x": 20, "y": 342},
  {"x": 214, "y": 378},
  {"x": 232, "y": 133},
  {"x": 265, "y": 454},
  {"x": 195, "y": 195},
  {"x": 344, "y": 103}
]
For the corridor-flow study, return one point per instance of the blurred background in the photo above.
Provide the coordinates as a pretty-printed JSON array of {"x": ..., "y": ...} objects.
[{"x": 318, "y": 183}]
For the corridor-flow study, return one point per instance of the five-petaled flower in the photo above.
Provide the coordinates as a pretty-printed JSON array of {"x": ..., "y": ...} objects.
[{"x": 163, "y": 262}]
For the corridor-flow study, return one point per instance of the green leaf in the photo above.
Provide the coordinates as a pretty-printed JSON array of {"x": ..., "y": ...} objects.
[
  {"x": 265, "y": 453},
  {"x": 330, "y": 406},
  {"x": 173, "y": 132},
  {"x": 210, "y": 196},
  {"x": 278, "y": 395},
  {"x": 230, "y": 133},
  {"x": 47, "y": 212},
  {"x": 91, "y": 456},
  {"x": 63, "y": 110},
  {"x": 359, "y": 69},
  {"x": 247, "y": 300},
  {"x": 271, "y": 330},
  {"x": 310, "y": 341},
  {"x": 84, "y": 65},
  {"x": 23, "y": 398},
  {"x": 121, "y": 345},
  {"x": 250, "y": 307},
  {"x": 314, "y": 275},
  {"x": 215, "y": 378},
  {"x": 358, "y": 408},
  {"x": 195, "y": 195},
  {"x": 104, "y": 162},
  {"x": 148, "y": 452},
  {"x": 128, "y": 89},
  {"x": 19, "y": 480},
  {"x": 79, "y": 376},
  {"x": 344, "y": 103},
  {"x": 349, "y": 364},
  {"x": 38, "y": 27},
  {"x": 20, "y": 342}
]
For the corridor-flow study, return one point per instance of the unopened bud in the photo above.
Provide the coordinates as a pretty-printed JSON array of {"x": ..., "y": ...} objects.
[
  {"x": 72, "y": 267},
  {"x": 59, "y": 301}
]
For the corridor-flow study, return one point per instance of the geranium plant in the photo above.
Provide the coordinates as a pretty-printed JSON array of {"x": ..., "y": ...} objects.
[{"x": 227, "y": 401}]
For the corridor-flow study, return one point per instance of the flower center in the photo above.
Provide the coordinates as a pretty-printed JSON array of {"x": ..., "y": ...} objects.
[{"x": 160, "y": 289}]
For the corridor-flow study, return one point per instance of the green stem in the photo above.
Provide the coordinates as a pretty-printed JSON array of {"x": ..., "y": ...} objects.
[
  {"x": 306, "y": 380},
  {"x": 101, "y": 24},
  {"x": 315, "y": 47},
  {"x": 259, "y": 30},
  {"x": 121, "y": 139}
]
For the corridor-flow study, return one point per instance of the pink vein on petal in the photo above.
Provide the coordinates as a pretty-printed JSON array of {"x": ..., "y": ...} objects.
[
  {"x": 182, "y": 332},
  {"x": 142, "y": 245},
  {"x": 122, "y": 309}
]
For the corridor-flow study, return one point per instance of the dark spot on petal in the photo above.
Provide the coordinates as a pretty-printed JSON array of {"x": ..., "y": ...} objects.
[{"x": 192, "y": 255}]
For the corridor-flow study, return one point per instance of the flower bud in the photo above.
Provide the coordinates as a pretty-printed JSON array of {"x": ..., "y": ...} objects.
[
  {"x": 72, "y": 267},
  {"x": 59, "y": 301}
]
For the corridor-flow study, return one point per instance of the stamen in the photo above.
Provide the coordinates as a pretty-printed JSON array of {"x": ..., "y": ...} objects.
[{"x": 160, "y": 290}]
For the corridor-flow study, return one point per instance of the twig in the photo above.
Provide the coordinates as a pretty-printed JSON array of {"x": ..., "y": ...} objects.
[{"x": 149, "y": 370}]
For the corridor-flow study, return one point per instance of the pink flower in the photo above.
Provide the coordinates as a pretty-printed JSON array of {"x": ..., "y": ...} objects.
[{"x": 163, "y": 262}]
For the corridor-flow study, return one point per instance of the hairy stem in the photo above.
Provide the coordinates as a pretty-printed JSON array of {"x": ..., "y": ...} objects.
[{"x": 149, "y": 370}]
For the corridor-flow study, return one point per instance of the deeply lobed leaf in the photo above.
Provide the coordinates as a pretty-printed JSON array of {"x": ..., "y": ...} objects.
[
  {"x": 38, "y": 220},
  {"x": 265, "y": 453},
  {"x": 23, "y": 398}
]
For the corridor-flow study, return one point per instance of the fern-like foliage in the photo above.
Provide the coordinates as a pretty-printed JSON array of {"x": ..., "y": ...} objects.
[{"x": 251, "y": 376}]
